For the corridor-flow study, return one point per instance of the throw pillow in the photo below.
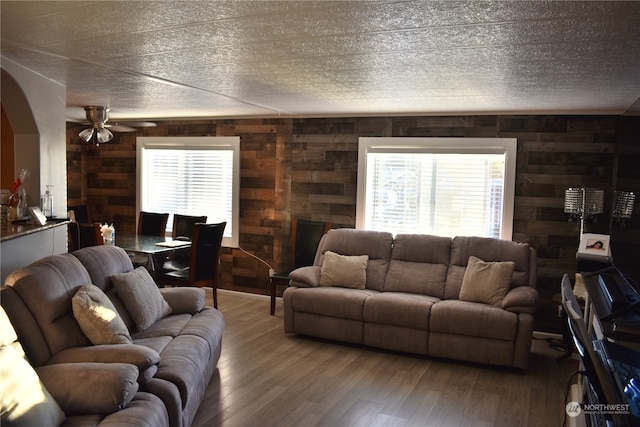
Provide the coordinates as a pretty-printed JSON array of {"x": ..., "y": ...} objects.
[
  {"x": 344, "y": 271},
  {"x": 25, "y": 400},
  {"x": 98, "y": 317},
  {"x": 141, "y": 297},
  {"x": 486, "y": 282}
]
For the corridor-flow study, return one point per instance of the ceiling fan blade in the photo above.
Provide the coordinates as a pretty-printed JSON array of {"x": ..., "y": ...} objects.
[
  {"x": 82, "y": 121},
  {"x": 119, "y": 128},
  {"x": 139, "y": 124}
]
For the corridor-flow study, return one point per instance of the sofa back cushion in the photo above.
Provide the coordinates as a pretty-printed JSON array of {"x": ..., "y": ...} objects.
[
  {"x": 419, "y": 264},
  {"x": 347, "y": 241},
  {"x": 489, "y": 250},
  {"x": 38, "y": 302},
  {"x": 102, "y": 262}
]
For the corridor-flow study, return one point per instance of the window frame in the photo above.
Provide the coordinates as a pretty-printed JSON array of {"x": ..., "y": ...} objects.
[
  {"x": 506, "y": 146},
  {"x": 198, "y": 143}
]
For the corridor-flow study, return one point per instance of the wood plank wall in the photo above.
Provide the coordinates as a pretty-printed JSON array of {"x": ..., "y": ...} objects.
[{"x": 307, "y": 168}]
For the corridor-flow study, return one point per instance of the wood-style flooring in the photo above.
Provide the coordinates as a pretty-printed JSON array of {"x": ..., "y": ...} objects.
[{"x": 267, "y": 378}]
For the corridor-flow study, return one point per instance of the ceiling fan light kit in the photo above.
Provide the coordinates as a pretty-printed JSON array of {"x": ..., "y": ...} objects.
[{"x": 97, "y": 133}]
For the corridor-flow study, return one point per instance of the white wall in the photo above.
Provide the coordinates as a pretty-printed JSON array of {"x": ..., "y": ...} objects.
[
  {"x": 40, "y": 147},
  {"x": 41, "y": 151}
]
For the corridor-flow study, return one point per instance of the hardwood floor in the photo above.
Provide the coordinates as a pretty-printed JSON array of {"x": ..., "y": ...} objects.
[{"x": 267, "y": 378}]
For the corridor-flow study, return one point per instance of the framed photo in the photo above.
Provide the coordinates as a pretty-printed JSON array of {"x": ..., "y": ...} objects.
[
  {"x": 594, "y": 246},
  {"x": 37, "y": 215}
]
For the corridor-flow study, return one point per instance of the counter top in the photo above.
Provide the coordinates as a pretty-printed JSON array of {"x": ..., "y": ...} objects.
[{"x": 13, "y": 230}]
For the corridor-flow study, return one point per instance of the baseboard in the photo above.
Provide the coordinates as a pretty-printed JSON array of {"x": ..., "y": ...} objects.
[{"x": 244, "y": 294}]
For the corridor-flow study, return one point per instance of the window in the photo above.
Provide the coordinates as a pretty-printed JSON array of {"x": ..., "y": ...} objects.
[
  {"x": 440, "y": 186},
  {"x": 191, "y": 176}
]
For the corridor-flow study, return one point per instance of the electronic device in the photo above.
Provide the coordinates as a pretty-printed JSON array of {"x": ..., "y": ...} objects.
[
  {"x": 37, "y": 216},
  {"x": 603, "y": 387},
  {"x": 624, "y": 365},
  {"x": 618, "y": 294}
]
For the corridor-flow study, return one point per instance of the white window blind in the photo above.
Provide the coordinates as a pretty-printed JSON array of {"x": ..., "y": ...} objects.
[
  {"x": 441, "y": 186},
  {"x": 191, "y": 176}
]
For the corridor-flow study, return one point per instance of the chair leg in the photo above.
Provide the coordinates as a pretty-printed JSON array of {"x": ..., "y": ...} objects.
[
  {"x": 215, "y": 297},
  {"x": 272, "y": 283}
]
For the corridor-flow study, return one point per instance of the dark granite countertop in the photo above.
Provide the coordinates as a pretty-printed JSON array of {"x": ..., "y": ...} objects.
[{"x": 12, "y": 230}]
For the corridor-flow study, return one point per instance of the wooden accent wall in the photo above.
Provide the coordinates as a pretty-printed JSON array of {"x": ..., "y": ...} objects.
[{"x": 307, "y": 168}]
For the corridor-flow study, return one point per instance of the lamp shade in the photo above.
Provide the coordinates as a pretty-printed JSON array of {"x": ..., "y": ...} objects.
[
  {"x": 86, "y": 134},
  {"x": 103, "y": 135},
  {"x": 583, "y": 201},
  {"x": 623, "y": 204}
]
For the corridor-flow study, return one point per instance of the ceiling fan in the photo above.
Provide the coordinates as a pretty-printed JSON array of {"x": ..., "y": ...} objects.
[{"x": 99, "y": 132}]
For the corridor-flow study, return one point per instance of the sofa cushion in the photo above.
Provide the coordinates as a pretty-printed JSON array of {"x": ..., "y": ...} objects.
[
  {"x": 418, "y": 265},
  {"x": 416, "y": 278},
  {"x": 140, "y": 356},
  {"x": 102, "y": 262},
  {"x": 488, "y": 249},
  {"x": 98, "y": 318},
  {"x": 7, "y": 333},
  {"x": 182, "y": 363},
  {"x": 91, "y": 388},
  {"x": 472, "y": 319},
  {"x": 25, "y": 400},
  {"x": 121, "y": 309},
  {"x": 344, "y": 271},
  {"x": 522, "y": 299},
  {"x": 141, "y": 297},
  {"x": 37, "y": 299},
  {"x": 184, "y": 300},
  {"x": 375, "y": 244},
  {"x": 333, "y": 302},
  {"x": 486, "y": 282},
  {"x": 305, "y": 277},
  {"x": 169, "y": 326},
  {"x": 399, "y": 309}
]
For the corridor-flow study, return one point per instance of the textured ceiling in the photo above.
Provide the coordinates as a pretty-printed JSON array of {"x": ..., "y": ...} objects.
[{"x": 171, "y": 59}]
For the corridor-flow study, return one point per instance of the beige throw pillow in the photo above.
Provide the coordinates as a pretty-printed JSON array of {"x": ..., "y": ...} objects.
[
  {"x": 486, "y": 282},
  {"x": 98, "y": 317},
  {"x": 141, "y": 297},
  {"x": 344, "y": 271}
]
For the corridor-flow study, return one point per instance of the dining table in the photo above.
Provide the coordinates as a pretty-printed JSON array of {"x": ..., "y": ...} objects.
[{"x": 152, "y": 249}]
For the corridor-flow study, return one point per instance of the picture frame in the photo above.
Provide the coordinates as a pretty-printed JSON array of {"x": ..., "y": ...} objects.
[
  {"x": 595, "y": 247},
  {"x": 37, "y": 216}
]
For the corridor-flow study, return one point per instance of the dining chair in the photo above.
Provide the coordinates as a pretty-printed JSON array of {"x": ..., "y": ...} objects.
[
  {"x": 304, "y": 240},
  {"x": 80, "y": 213},
  {"x": 206, "y": 247},
  {"x": 182, "y": 230},
  {"x": 183, "y": 225},
  {"x": 82, "y": 235},
  {"x": 152, "y": 224}
]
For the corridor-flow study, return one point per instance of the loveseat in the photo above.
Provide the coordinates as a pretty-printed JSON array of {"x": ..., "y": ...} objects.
[
  {"x": 168, "y": 335},
  {"x": 43, "y": 398},
  {"x": 464, "y": 298}
]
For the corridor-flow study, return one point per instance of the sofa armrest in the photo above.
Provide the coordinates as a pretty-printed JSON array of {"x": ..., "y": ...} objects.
[
  {"x": 184, "y": 300},
  {"x": 522, "y": 299},
  {"x": 90, "y": 388},
  {"x": 305, "y": 277},
  {"x": 140, "y": 356}
]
